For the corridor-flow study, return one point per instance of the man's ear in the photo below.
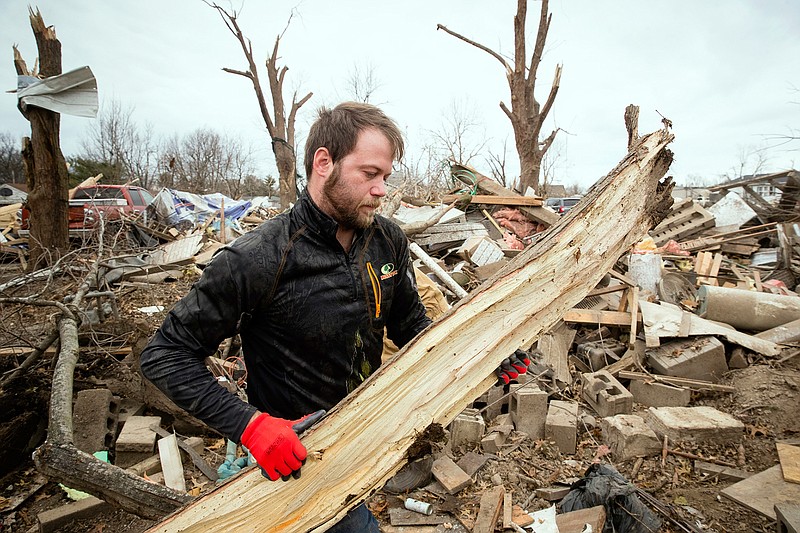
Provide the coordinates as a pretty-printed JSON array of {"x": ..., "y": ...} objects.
[{"x": 323, "y": 162}]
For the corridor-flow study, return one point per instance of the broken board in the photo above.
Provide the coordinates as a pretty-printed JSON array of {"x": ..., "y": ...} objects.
[
  {"x": 790, "y": 462},
  {"x": 363, "y": 441},
  {"x": 762, "y": 491}
]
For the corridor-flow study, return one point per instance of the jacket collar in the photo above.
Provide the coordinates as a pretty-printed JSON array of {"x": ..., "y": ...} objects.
[{"x": 310, "y": 214}]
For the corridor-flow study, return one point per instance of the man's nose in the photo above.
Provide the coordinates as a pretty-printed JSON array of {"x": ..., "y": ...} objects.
[{"x": 379, "y": 189}]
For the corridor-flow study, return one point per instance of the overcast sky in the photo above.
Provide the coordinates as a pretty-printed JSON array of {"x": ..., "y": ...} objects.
[{"x": 725, "y": 73}]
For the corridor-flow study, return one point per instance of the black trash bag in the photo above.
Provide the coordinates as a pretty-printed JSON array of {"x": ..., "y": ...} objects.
[{"x": 603, "y": 485}]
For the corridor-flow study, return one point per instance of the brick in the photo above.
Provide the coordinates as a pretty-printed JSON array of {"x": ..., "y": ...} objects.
[
  {"x": 605, "y": 394},
  {"x": 467, "y": 429},
  {"x": 94, "y": 420},
  {"x": 528, "y": 409},
  {"x": 629, "y": 436},
  {"x": 561, "y": 425},
  {"x": 697, "y": 424},
  {"x": 59, "y": 517},
  {"x": 659, "y": 394},
  {"x": 452, "y": 478},
  {"x": 136, "y": 441},
  {"x": 696, "y": 358}
]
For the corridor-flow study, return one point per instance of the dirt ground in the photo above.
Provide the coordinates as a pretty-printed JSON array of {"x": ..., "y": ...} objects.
[{"x": 766, "y": 400}]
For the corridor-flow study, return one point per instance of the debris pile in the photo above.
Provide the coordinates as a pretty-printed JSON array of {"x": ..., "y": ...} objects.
[{"x": 665, "y": 389}]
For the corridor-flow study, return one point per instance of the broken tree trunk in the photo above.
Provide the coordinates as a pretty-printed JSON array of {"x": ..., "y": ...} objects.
[
  {"x": 62, "y": 461},
  {"x": 364, "y": 439}
]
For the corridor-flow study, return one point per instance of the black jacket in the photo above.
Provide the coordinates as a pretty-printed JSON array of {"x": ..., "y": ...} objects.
[{"x": 311, "y": 318}]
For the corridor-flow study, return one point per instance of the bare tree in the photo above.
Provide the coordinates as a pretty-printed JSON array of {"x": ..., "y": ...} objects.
[
  {"x": 362, "y": 82},
  {"x": 527, "y": 116},
  {"x": 497, "y": 164},
  {"x": 459, "y": 137},
  {"x": 128, "y": 151},
  {"x": 44, "y": 164},
  {"x": 280, "y": 126},
  {"x": 205, "y": 161},
  {"x": 10, "y": 159}
]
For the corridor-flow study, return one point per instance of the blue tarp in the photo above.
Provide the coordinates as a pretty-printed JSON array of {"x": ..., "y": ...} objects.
[{"x": 173, "y": 207}]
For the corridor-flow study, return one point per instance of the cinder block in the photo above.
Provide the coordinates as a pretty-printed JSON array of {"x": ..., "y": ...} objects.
[
  {"x": 561, "y": 425},
  {"x": 94, "y": 420},
  {"x": 605, "y": 394},
  {"x": 136, "y": 441},
  {"x": 467, "y": 428},
  {"x": 492, "y": 442},
  {"x": 788, "y": 515},
  {"x": 697, "y": 424},
  {"x": 659, "y": 394},
  {"x": 495, "y": 402},
  {"x": 628, "y": 436},
  {"x": 696, "y": 358},
  {"x": 528, "y": 409}
]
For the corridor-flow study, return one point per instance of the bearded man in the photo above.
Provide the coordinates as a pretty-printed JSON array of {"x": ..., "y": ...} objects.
[{"x": 310, "y": 292}]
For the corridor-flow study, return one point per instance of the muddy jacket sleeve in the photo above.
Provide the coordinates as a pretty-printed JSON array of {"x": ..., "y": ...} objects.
[{"x": 193, "y": 330}]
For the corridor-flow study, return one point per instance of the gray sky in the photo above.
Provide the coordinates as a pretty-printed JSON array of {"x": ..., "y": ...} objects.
[{"x": 725, "y": 73}]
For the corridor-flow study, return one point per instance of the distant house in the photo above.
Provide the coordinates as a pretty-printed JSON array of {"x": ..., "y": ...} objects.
[
  {"x": 12, "y": 194},
  {"x": 698, "y": 194}
]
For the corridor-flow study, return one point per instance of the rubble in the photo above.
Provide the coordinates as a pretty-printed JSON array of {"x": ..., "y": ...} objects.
[{"x": 702, "y": 321}]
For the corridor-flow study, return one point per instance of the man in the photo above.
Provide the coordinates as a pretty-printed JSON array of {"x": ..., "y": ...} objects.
[{"x": 310, "y": 292}]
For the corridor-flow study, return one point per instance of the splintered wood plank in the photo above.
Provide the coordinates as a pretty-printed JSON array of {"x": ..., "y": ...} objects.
[
  {"x": 363, "y": 440},
  {"x": 790, "y": 461},
  {"x": 605, "y": 318},
  {"x": 555, "y": 345},
  {"x": 762, "y": 491},
  {"x": 489, "y": 511},
  {"x": 171, "y": 464}
]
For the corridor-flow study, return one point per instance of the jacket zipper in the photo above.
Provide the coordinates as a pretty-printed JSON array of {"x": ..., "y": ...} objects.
[{"x": 376, "y": 288}]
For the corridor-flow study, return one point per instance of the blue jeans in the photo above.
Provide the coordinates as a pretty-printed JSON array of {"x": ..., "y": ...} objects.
[{"x": 358, "y": 520}]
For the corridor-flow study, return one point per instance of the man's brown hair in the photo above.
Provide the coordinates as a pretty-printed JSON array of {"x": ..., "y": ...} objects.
[{"x": 337, "y": 130}]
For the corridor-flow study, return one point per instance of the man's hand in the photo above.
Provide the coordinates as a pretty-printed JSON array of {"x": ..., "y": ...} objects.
[
  {"x": 275, "y": 445},
  {"x": 512, "y": 367}
]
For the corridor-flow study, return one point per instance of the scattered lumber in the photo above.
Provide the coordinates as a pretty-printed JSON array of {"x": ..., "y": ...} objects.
[
  {"x": 488, "y": 199},
  {"x": 472, "y": 177},
  {"x": 363, "y": 440}
]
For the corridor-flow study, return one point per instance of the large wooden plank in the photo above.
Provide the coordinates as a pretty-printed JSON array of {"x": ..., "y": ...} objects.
[
  {"x": 488, "y": 199},
  {"x": 363, "y": 440},
  {"x": 762, "y": 491},
  {"x": 790, "y": 462}
]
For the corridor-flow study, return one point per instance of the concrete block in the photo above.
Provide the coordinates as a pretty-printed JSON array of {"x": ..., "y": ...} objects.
[
  {"x": 94, "y": 419},
  {"x": 136, "y": 441},
  {"x": 467, "y": 428},
  {"x": 697, "y": 424},
  {"x": 605, "y": 394},
  {"x": 629, "y": 436},
  {"x": 55, "y": 519},
  {"x": 492, "y": 442},
  {"x": 452, "y": 478},
  {"x": 495, "y": 402},
  {"x": 561, "y": 425},
  {"x": 528, "y": 410},
  {"x": 552, "y": 494},
  {"x": 788, "y": 515},
  {"x": 695, "y": 358},
  {"x": 659, "y": 394}
]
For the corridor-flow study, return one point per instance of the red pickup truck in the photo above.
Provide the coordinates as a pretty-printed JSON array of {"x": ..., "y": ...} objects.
[{"x": 91, "y": 204}]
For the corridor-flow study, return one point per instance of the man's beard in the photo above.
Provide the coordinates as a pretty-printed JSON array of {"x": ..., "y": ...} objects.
[{"x": 346, "y": 210}]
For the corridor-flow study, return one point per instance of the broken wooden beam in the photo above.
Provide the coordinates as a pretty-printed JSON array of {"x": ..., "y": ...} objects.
[
  {"x": 694, "y": 384},
  {"x": 363, "y": 440},
  {"x": 488, "y": 199}
]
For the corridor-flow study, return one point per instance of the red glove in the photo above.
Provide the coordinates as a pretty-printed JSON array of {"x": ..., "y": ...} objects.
[
  {"x": 512, "y": 367},
  {"x": 275, "y": 446}
]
